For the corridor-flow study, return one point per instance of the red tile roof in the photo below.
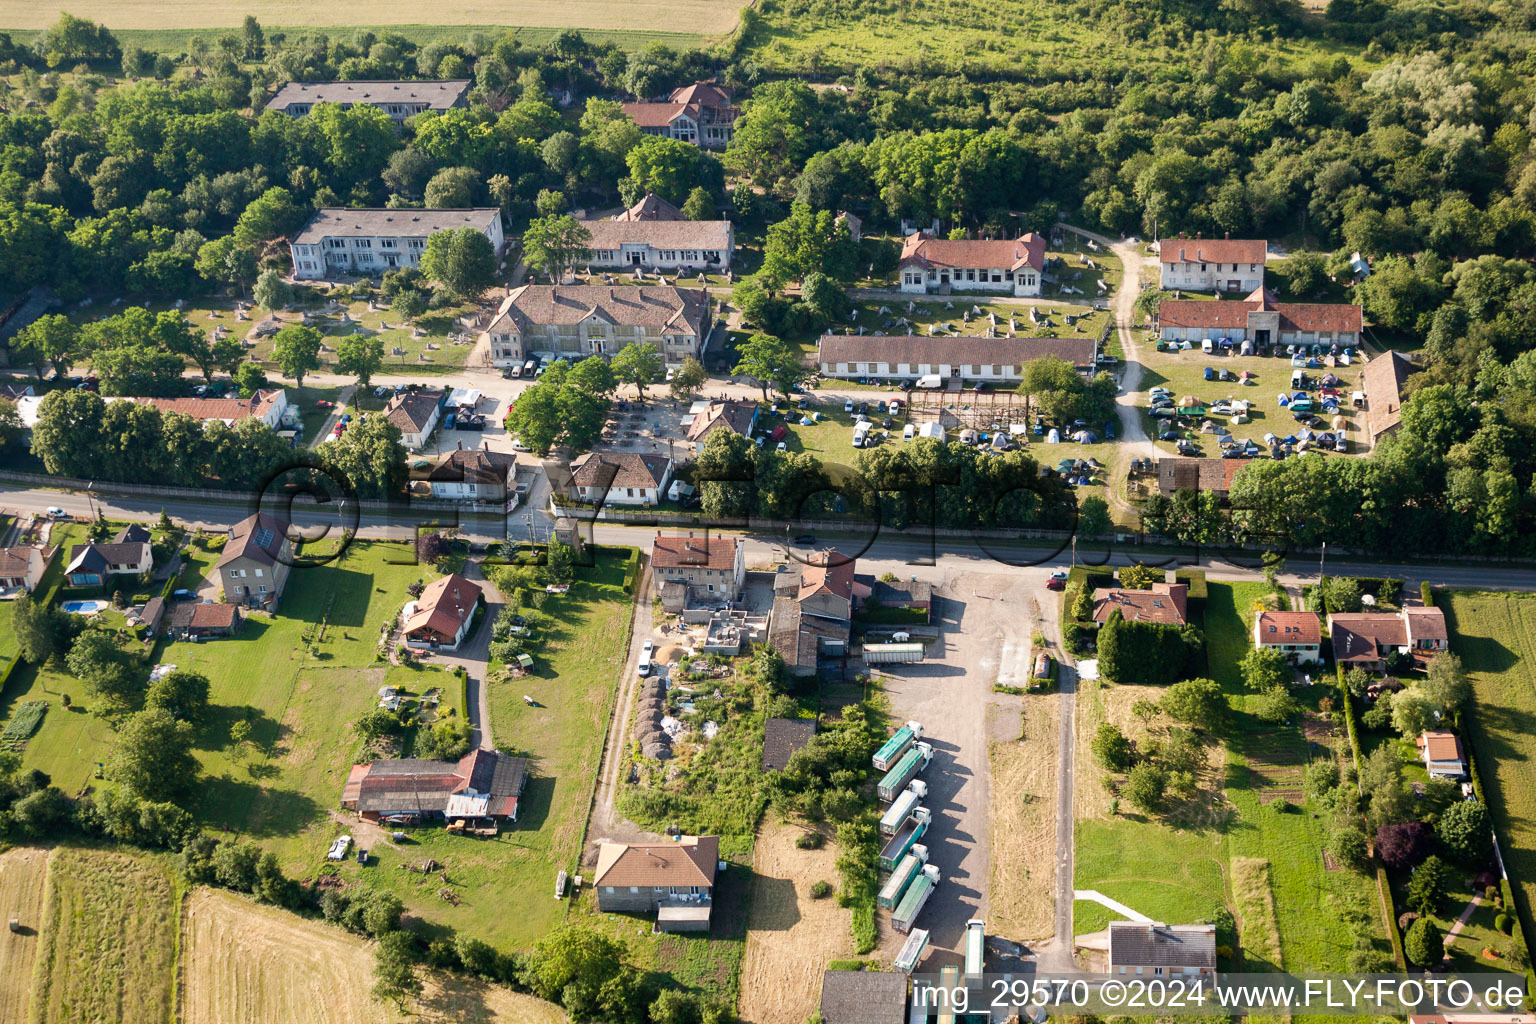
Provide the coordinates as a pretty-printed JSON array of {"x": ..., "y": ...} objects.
[
  {"x": 1366, "y": 636},
  {"x": 1425, "y": 624},
  {"x": 213, "y": 615},
  {"x": 827, "y": 572},
  {"x": 1440, "y": 745},
  {"x": 675, "y": 309},
  {"x": 230, "y": 410},
  {"x": 922, "y": 249},
  {"x": 694, "y": 552},
  {"x": 652, "y": 207},
  {"x": 628, "y": 470},
  {"x": 1382, "y": 381},
  {"x": 1212, "y": 250},
  {"x": 1302, "y": 628},
  {"x": 444, "y": 606},
  {"x": 690, "y": 862},
  {"x": 1228, "y": 315},
  {"x": 1166, "y": 604}
]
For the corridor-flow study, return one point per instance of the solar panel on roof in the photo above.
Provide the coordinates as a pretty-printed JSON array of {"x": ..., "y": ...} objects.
[{"x": 265, "y": 537}]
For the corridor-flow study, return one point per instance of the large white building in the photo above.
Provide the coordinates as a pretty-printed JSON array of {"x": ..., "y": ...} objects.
[
  {"x": 654, "y": 234},
  {"x": 1261, "y": 319},
  {"x": 999, "y": 360},
  {"x": 1212, "y": 264},
  {"x": 575, "y": 321},
  {"x": 1011, "y": 267},
  {"x": 338, "y": 240},
  {"x": 399, "y": 100}
]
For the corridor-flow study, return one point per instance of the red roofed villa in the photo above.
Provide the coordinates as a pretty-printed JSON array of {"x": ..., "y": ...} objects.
[
  {"x": 1166, "y": 604},
  {"x": 701, "y": 114},
  {"x": 1297, "y": 635},
  {"x": 439, "y": 619},
  {"x": 1010, "y": 266}
]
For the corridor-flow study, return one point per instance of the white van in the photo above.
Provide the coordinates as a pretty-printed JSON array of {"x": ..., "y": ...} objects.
[
  {"x": 909, "y": 432},
  {"x": 1207, "y": 346},
  {"x": 861, "y": 433},
  {"x": 644, "y": 667},
  {"x": 930, "y": 381}
]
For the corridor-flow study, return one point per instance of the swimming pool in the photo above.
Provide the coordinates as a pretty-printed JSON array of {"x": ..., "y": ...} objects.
[{"x": 83, "y": 607}]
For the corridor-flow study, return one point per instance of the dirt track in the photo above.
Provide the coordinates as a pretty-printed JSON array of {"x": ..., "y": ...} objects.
[
  {"x": 22, "y": 874},
  {"x": 792, "y": 937}
]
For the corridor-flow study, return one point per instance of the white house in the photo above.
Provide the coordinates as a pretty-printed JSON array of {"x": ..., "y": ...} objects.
[
  {"x": 1152, "y": 949},
  {"x": 338, "y": 240},
  {"x": 399, "y": 100},
  {"x": 416, "y": 414},
  {"x": 441, "y": 616},
  {"x": 701, "y": 114},
  {"x": 1442, "y": 754},
  {"x": 653, "y": 234},
  {"x": 620, "y": 478},
  {"x": 1261, "y": 319},
  {"x": 576, "y": 321},
  {"x": 475, "y": 474},
  {"x": 1000, "y": 360},
  {"x": 1297, "y": 635},
  {"x": 1212, "y": 264},
  {"x": 930, "y": 264},
  {"x": 267, "y": 405}
]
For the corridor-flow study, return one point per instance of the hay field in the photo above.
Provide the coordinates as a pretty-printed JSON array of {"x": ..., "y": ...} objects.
[
  {"x": 703, "y": 17},
  {"x": 790, "y": 937},
  {"x": 108, "y": 946},
  {"x": 1020, "y": 891},
  {"x": 22, "y": 874},
  {"x": 244, "y": 963}
]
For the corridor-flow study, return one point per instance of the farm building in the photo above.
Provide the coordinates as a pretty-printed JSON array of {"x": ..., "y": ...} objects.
[
  {"x": 863, "y": 997},
  {"x": 1297, "y": 635},
  {"x": 1010, "y": 266},
  {"x": 849, "y": 356},
  {"x": 341, "y": 240},
  {"x": 700, "y": 114},
  {"x": 1151, "y": 948},
  {"x": 399, "y": 100},
  {"x": 481, "y": 784},
  {"x": 1212, "y": 264},
  {"x": 675, "y": 881}
]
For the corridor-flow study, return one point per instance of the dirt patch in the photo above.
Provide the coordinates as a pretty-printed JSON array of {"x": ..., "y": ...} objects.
[
  {"x": 1275, "y": 765},
  {"x": 247, "y": 963},
  {"x": 1023, "y": 824},
  {"x": 790, "y": 937},
  {"x": 22, "y": 874}
]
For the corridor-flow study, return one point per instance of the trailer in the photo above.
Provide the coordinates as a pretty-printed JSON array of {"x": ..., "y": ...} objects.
[
  {"x": 910, "y": 832},
  {"x": 912, "y": 951},
  {"x": 894, "y": 654},
  {"x": 916, "y": 898},
  {"x": 898, "y": 744},
  {"x": 949, "y": 983},
  {"x": 898, "y": 811},
  {"x": 911, "y": 764},
  {"x": 901, "y": 876},
  {"x": 975, "y": 946}
]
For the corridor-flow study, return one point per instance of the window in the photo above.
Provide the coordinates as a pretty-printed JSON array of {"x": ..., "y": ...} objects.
[
  {"x": 363, "y": 243},
  {"x": 386, "y": 243},
  {"x": 636, "y": 889},
  {"x": 259, "y": 574},
  {"x": 608, "y": 889},
  {"x": 262, "y": 589}
]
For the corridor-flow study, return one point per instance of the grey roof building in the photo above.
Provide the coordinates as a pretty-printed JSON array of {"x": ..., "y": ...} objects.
[
  {"x": 341, "y": 240},
  {"x": 863, "y": 997},
  {"x": 399, "y": 100},
  {"x": 1150, "y": 948}
]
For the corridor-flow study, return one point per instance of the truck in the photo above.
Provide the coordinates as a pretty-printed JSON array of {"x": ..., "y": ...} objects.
[
  {"x": 912, "y": 951},
  {"x": 949, "y": 983},
  {"x": 910, "y": 832},
  {"x": 907, "y": 769},
  {"x": 916, "y": 898},
  {"x": 975, "y": 946},
  {"x": 897, "y": 745},
  {"x": 898, "y": 811},
  {"x": 910, "y": 867}
]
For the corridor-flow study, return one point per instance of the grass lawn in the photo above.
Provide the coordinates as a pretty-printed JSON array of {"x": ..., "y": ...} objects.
[
  {"x": 433, "y": 352},
  {"x": 1169, "y": 874},
  {"x": 1495, "y": 636},
  {"x": 109, "y": 939},
  {"x": 951, "y": 310}
]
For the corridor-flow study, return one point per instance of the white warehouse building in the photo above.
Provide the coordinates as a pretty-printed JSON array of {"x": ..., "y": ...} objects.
[{"x": 339, "y": 241}]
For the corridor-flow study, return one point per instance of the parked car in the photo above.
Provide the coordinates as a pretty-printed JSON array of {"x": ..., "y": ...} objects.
[
  {"x": 782, "y": 446},
  {"x": 1054, "y": 583},
  {"x": 182, "y": 595},
  {"x": 807, "y": 539},
  {"x": 54, "y": 512},
  {"x": 848, "y": 405}
]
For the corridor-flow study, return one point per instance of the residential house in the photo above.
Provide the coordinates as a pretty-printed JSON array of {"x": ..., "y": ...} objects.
[
  {"x": 864, "y": 997},
  {"x": 267, "y": 405},
  {"x": 575, "y": 321},
  {"x": 203, "y": 620},
  {"x": 1175, "y": 474},
  {"x": 1165, "y": 604},
  {"x": 1261, "y": 319},
  {"x": 711, "y": 567},
  {"x": 1366, "y": 639},
  {"x": 676, "y": 881},
  {"x": 94, "y": 564},
  {"x": 1011, "y": 267},
  {"x": 647, "y": 235},
  {"x": 701, "y": 114},
  {"x": 253, "y": 567},
  {"x": 439, "y": 619},
  {"x": 732, "y": 415},
  {"x": 1297, "y": 635},
  {"x": 619, "y": 478},
  {"x": 852, "y": 223},
  {"x": 481, "y": 784},
  {"x": 1212, "y": 264},
  {"x": 827, "y": 585},
  {"x": 416, "y": 413},
  {"x": 782, "y": 737},
  {"x": 849, "y": 356},
  {"x": 1441, "y": 752},
  {"x": 1382, "y": 382},
  {"x": 1156, "y": 950},
  {"x": 342, "y": 240},
  {"x": 474, "y": 474},
  {"x": 21, "y": 569},
  {"x": 399, "y": 100}
]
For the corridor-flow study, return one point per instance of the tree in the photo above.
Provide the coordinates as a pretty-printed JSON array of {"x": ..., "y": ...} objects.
[
  {"x": 1093, "y": 516},
  {"x": 452, "y": 188},
  {"x": 183, "y": 693},
  {"x": 1348, "y": 845},
  {"x": 1264, "y": 669},
  {"x": 463, "y": 259},
  {"x": 670, "y": 168},
  {"x": 638, "y": 363},
  {"x": 250, "y": 378},
  {"x": 1447, "y": 684},
  {"x": 72, "y": 40},
  {"x": 1412, "y": 712},
  {"x": 700, "y": 206},
  {"x": 1111, "y": 749},
  {"x": 808, "y": 241},
  {"x": 1424, "y": 945},
  {"x": 153, "y": 755},
  {"x": 560, "y": 563},
  {"x": 50, "y": 340},
  {"x": 769, "y": 361},
  {"x": 96, "y": 660},
  {"x": 272, "y": 214},
  {"x": 361, "y": 355},
  {"x": 1146, "y": 788},
  {"x": 1426, "y": 889},
  {"x": 572, "y": 960},
  {"x": 1466, "y": 832},
  {"x": 369, "y": 455},
  {"x": 40, "y": 630},
  {"x": 297, "y": 349},
  {"x": 226, "y": 261},
  {"x": 1275, "y": 705},
  {"x": 688, "y": 379},
  {"x": 272, "y": 291},
  {"x": 554, "y": 244},
  {"x": 1061, "y": 394},
  {"x": 1199, "y": 702},
  {"x": 825, "y": 298},
  {"x": 1140, "y": 577},
  {"x": 394, "y": 969}
]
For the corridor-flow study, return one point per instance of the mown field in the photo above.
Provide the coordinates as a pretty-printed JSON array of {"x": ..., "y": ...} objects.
[
  {"x": 1495, "y": 636},
  {"x": 613, "y": 17}
]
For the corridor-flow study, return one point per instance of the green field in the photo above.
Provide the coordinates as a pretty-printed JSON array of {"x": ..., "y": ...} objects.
[
  {"x": 1495, "y": 636},
  {"x": 109, "y": 939}
]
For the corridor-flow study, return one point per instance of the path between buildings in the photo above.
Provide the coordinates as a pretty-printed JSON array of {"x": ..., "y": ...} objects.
[
  {"x": 474, "y": 656},
  {"x": 1104, "y": 901}
]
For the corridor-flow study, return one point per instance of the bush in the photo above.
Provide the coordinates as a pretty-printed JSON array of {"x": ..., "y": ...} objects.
[
  {"x": 810, "y": 841},
  {"x": 1283, "y": 806},
  {"x": 1427, "y": 594},
  {"x": 1503, "y": 923},
  {"x": 821, "y": 890},
  {"x": 1423, "y": 944}
]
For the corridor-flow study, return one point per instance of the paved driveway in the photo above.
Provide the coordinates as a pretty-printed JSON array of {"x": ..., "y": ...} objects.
[{"x": 473, "y": 656}]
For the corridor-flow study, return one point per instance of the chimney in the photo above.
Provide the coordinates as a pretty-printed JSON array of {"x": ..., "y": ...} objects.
[
  {"x": 461, "y": 446},
  {"x": 1227, "y": 235}
]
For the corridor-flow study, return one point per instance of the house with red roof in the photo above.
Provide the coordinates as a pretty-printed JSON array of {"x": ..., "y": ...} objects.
[
  {"x": 1261, "y": 319},
  {"x": 709, "y": 566},
  {"x": 1008, "y": 266},
  {"x": 700, "y": 114},
  {"x": 1297, "y": 635},
  {"x": 439, "y": 619},
  {"x": 1212, "y": 264}
]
